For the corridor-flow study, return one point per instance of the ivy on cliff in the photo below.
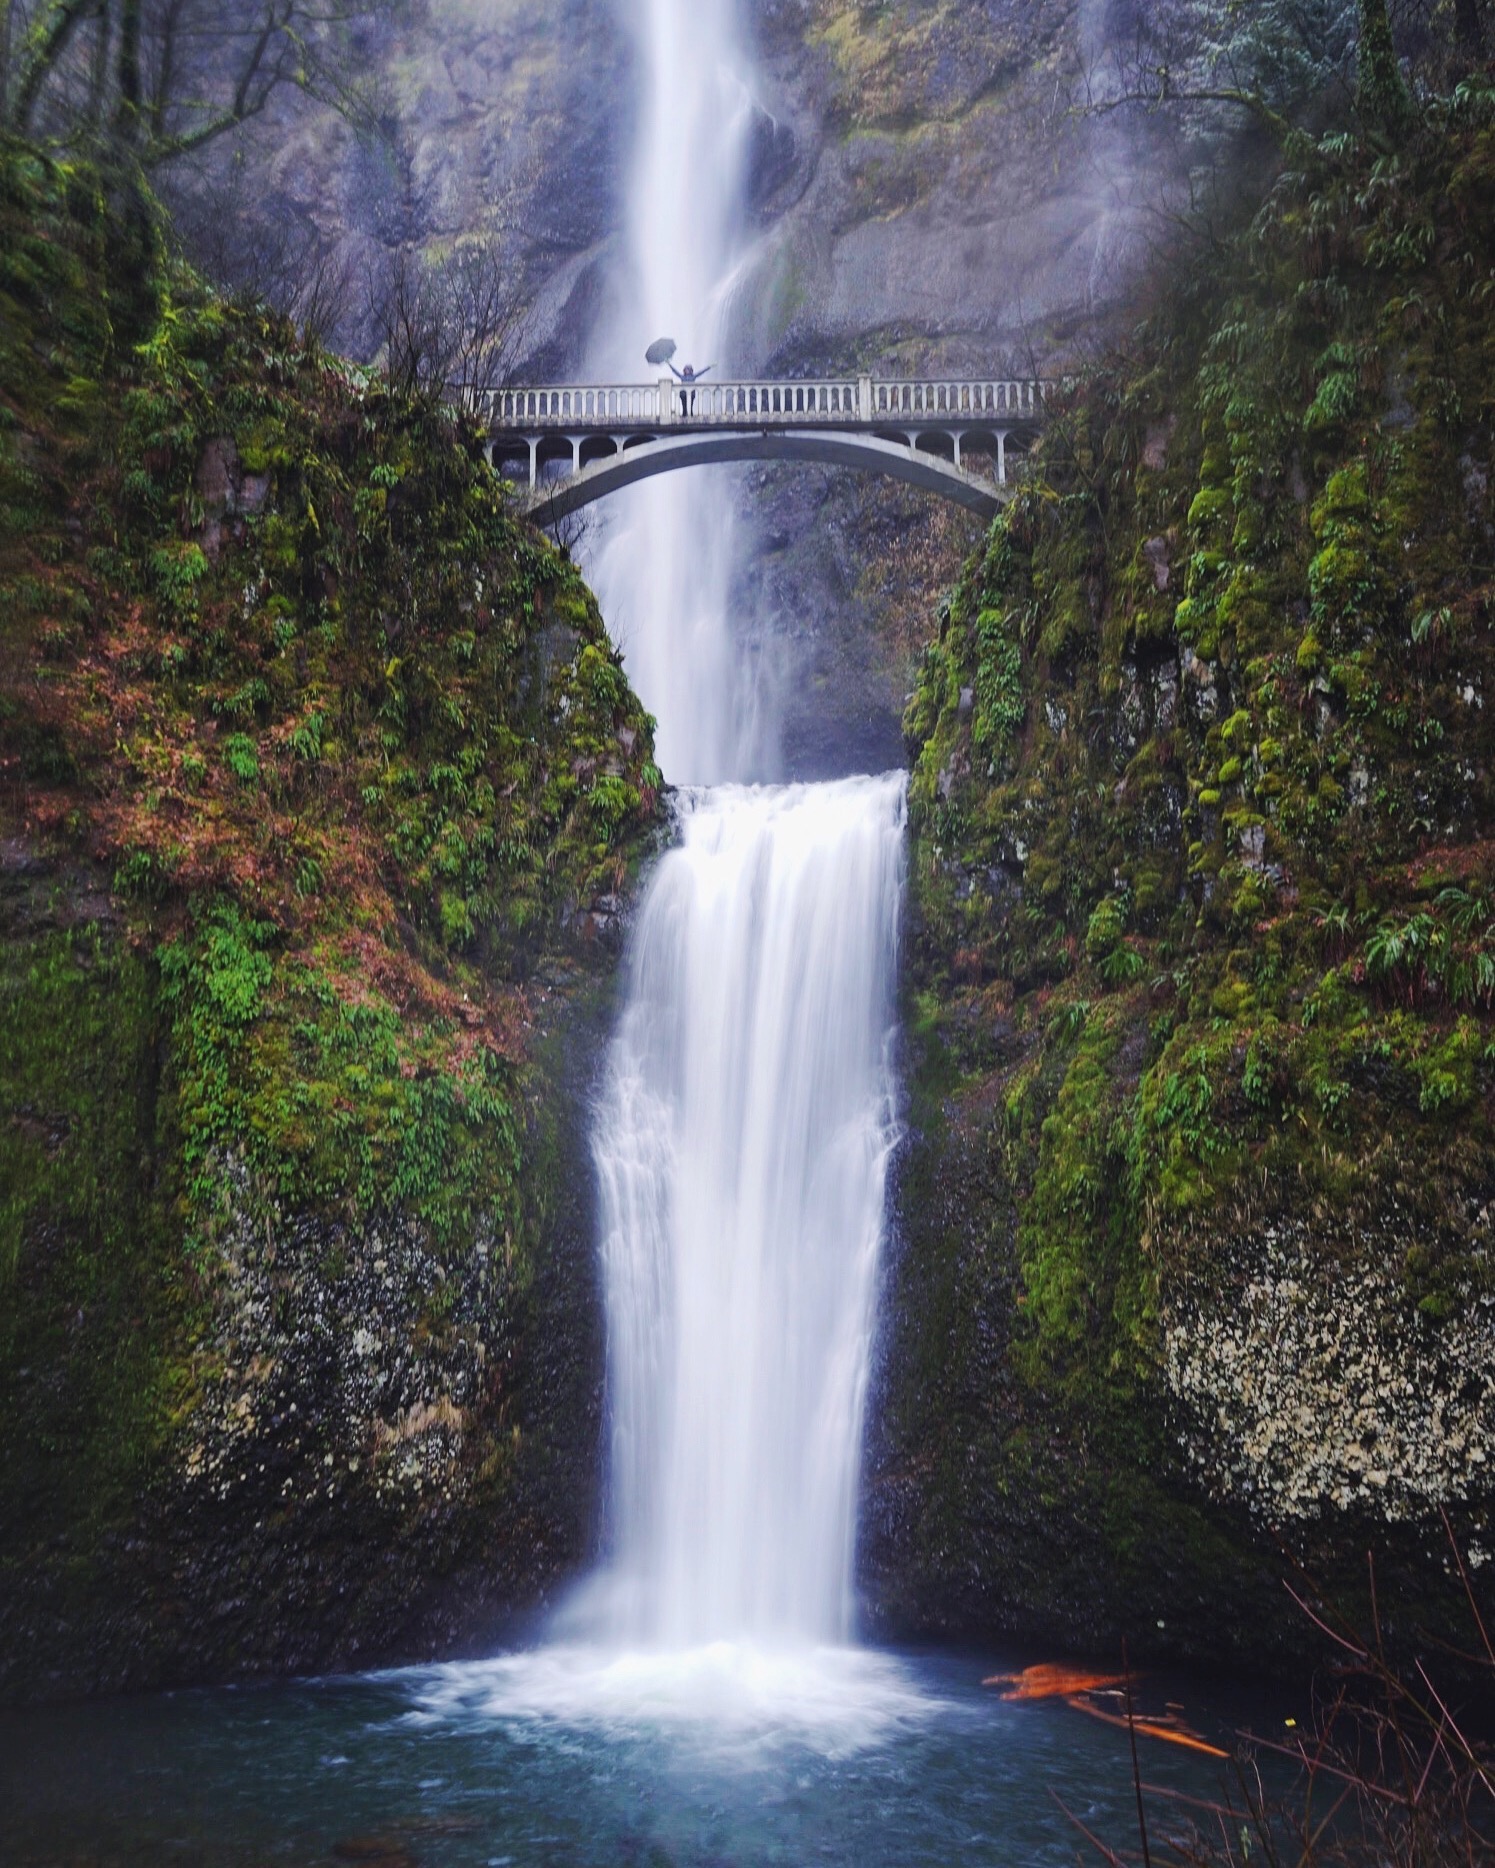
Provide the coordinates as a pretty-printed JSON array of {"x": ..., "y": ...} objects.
[
  {"x": 350, "y": 742},
  {"x": 1203, "y": 766}
]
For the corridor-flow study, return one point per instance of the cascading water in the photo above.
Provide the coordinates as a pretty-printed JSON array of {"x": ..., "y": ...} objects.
[
  {"x": 741, "y": 1149},
  {"x": 747, "y": 1116},
  {"x": 665, "y": 563},
  {"x": 742, "y": 1143},
  {"x": 744, "y": 1133}
]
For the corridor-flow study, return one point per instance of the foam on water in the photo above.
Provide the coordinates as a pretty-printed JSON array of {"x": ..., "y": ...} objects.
[{"x": 744, "y": 1699}]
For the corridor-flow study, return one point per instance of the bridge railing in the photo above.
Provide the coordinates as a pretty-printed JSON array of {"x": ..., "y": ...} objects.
[
  {"x": 1019, "y": 400},
  {"x": 740, "y": 403},
  {"x": 589, "y": 405},
  {"x": 838, "y": 402}
]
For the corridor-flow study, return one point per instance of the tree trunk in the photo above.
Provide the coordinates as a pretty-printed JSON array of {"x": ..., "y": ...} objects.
[
  {"x": 50, "y": 40},
  {"x": 1469, "y": 29},
  {"x": 127, "y": 112},
  {"x": 98, "y": 87},
  {"x": 1381, "y": 94}
]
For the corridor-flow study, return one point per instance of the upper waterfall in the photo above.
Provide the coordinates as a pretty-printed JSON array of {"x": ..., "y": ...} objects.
[{"x": 663, "y": 569}]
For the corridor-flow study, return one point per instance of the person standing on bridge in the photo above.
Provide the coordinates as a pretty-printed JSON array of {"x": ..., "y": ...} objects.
[{"x": 690, "y": 374}]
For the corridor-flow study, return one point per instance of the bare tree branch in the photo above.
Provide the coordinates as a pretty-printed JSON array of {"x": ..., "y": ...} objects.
[
  {"x": 45, "y": 45},
  {"x": 453, "y": 326},
  {"x": 164, "y": 78}
]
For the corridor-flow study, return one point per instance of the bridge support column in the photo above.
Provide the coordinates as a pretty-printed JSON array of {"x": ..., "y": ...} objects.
[
  {"x": 955, "y": 439},
  {"x": 1001, "y": 457},
  {"x": 534, "y": 463},
  {"x": 575, "y": 453}
]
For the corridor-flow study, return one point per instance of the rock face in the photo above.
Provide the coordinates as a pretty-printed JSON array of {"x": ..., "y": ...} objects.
[
  {"x": 324, "y": 794},
  {"x": 845, "y": 572},
  {"x": 939, "y": 206},
  {"x": 485, "y": 122},
  {"x": 1195, "y": 1211},
  {"x": 340, "y": 1442},
  {"x": 997, "y": 1503},
  {"x": 945, "y": 198}
]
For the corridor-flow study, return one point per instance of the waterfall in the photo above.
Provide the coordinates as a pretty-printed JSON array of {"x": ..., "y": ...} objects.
[
  {"x": 741, "y": 1148},
  {"x": 746, "y": 1117},
  {"x": 663, "y": 570},
  {"x": 744, "y": 1130}
]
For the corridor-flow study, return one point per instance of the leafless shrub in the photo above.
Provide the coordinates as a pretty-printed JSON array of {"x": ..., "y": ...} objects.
[
  {"x": 1389, "y": 1774},
  {"x": 327, "y": 288},
  {"x": 453, "y": 326},
  {"x": 569, "y": 534},
  {"x": 265, "y": 257}
]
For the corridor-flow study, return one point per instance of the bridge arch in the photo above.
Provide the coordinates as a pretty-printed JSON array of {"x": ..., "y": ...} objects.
[{"x": 592, "y": 479}]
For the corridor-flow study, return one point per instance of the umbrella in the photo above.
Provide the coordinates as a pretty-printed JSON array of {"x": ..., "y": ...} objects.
[{"x": 660, "y": 351}]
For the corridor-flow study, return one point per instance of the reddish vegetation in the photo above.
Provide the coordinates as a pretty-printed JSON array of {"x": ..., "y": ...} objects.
[{"x": 347, "y": 743}]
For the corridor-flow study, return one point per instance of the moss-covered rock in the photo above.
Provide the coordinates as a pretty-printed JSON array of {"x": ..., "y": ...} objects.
[
  {"x": 323, "y": 790},
  {"x": 1205, "y": 945}
]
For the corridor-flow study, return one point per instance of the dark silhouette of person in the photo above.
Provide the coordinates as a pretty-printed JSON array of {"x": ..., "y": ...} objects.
[{"x": 690, "y": 374}]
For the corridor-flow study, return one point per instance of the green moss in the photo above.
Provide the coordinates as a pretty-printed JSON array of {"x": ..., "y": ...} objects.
[
  {"x": 1254, "y": 860},
  {"x": 94, "y": 1303},
  {"x": 333, "y": 1106},
  {"x": 1000, "y": 701},
  {"x": 1077, "y": 1235}
]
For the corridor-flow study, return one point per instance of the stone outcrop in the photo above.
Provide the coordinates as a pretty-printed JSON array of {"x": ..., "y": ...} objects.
[{"x": 324, "y": 794}]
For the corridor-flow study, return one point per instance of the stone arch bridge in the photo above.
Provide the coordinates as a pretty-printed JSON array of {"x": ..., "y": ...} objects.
[{"x": 572, "y": 444}]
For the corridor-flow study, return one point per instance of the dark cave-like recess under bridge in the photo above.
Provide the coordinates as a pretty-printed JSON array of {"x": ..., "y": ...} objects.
[{"x": 570, "y": 444}]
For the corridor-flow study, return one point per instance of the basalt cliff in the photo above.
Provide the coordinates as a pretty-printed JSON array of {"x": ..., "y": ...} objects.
[{"x": 322, "y": 786}]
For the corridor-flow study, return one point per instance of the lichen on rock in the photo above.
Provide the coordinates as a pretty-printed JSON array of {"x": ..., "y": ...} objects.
[{"x": 1315, "y": 1388}]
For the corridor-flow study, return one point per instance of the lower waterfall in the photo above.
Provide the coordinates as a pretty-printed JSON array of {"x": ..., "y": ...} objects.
[
  {"x": 741, "y": 1150},
  {"x": 742, "y": 1138}
]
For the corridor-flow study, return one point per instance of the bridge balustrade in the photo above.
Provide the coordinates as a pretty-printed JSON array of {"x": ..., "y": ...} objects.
[
  {"x": 799, "y": 401},
  {"x": 590, "y": 405},
  {"x": 839, "y": 402},
  {"x": 1012, "y": 399}
]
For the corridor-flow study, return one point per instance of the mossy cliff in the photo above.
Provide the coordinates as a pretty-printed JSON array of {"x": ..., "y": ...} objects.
[
  {"x": 1196, "y": 1213},
  {"x": 322, "y": 787}
]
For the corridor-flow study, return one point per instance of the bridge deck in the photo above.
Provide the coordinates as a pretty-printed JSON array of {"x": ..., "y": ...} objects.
[
  {"x": 849, "y": 402},
  {"x": 610, "y": 435}
]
